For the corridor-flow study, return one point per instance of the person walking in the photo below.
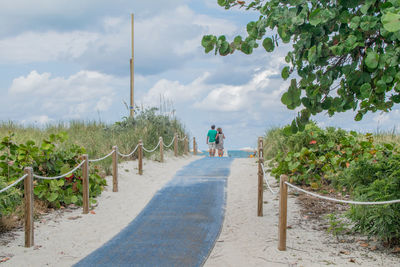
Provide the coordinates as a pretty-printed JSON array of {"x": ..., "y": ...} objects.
[
  {"x": 211, "y": 140},
  {"x": 219, "y": 141}
]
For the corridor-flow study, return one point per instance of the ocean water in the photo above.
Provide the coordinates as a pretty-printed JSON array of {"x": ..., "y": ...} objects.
[
  {"x": 240, "y": 154},
  {"x": 232, "y": 154}
]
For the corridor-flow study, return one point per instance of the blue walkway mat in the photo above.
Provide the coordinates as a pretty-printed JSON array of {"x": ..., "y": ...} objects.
[{"x": 178, "y": 227}]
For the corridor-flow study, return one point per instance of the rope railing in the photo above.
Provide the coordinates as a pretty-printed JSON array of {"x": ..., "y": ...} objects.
[
  {"x": 154, "y": 149},
  {"x": 84, "y": 164},
  {"x": 100, "y": 159},
  {"x": 130, "y": 154},
  {"x": 60, "y": 176},
  {"x": 167, "y": 146}
]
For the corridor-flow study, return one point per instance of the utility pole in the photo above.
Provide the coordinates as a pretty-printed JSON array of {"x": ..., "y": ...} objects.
[{"x": 131, "y": 107}]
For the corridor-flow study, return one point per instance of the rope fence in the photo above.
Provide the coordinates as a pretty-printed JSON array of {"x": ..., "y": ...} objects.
[
  {"x": 283, "y": 196},
  {"x": 84, "y": 165}
]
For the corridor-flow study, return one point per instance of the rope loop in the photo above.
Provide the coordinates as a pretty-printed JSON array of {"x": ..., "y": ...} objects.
[
  {"x": 106, "y": 156},
  {"x": 14, "y": 183},
  {"x": 130, "y": 154},
  {"x": 60, "y": 176},
  {"x": 173, "y": 139},
  {"x": 154, "y": 149}
]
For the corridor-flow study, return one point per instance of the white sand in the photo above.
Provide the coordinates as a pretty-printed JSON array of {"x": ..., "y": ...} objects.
[{"x": 245, "y": 240}]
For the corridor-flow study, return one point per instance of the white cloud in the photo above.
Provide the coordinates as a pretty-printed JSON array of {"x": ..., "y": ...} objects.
[
  {"x": 176, "y": 91},
  {"x": 162, "y": 42},
  {"x": 244, "y": 97},
  {"x": 72, "y": 97},
  {"x": 45, "y": 46},
  {"x": 226, "y": 98}
]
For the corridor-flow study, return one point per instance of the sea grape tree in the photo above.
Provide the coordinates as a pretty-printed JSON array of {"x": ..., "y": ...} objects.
[{"x": 344, "y": 54}]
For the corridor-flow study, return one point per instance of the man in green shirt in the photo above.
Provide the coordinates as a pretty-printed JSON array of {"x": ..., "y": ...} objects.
[{"x": 211, "y": 140}]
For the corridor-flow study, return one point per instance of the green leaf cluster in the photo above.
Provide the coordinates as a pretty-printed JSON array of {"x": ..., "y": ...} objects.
[{"x": 346, "y": 52}]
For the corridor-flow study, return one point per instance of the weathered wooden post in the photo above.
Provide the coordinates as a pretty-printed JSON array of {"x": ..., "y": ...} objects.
[
  {"x": 176, "y": 145},
  {"x": 186, "y": 144},
  {"x": 161, "y": 149},
  {"x": 28, "y": 195},
  {"x": 140, "y": 157},
  {"x": 282, "y": 212},
  {"x": 194, "y": 146},
  {"x": 115, "y": 168},
  {"x": 85, "y": 184},
  {"x": 260, "y": 177}
]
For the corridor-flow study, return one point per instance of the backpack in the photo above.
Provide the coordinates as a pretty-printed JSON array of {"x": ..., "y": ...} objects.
[{"x": 217, "y": 139}]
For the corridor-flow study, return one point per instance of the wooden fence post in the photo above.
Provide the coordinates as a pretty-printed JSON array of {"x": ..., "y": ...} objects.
[
  {"x": 28, "y": 195},
  {"x": 260, "y": 177},
  {"x": 194, "y": 146},
  {"x": 282, "y": 212},
  {"x": 186, "y": 145},
  {"x": 176, "y": 145},
  {"x": 85, "y": 184},
  {"x": 161, "y": 149},
  {"x": 115, "y": 168},
  {"x": 140, "y": 157}
]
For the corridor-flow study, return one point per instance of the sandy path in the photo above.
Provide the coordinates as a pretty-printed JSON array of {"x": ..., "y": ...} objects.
[
  {"x": 248, "y": 240},
  {"x": 62, "y": 240}
]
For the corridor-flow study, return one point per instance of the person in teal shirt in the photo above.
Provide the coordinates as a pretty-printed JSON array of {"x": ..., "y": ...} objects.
[{"x": 211, "y": 140}]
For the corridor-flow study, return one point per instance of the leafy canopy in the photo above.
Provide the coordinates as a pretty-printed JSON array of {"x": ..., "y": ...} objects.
[{"x": 345, "y": 52}]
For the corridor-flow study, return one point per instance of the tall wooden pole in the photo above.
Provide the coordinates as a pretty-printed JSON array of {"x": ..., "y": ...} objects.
[
  {"x": 186, "y": 145},
  {"x": 194, "y": 146},
  {"x": 115, "y": 168},
  {"x": 85, "y": 184},
  {"x": 140, "y": 157},
  {"x": 28, "y": 195},
  {"x": 260, "y": 177},
  {"x": 161, "y": 149},
  {"x": 282, "y": 213},
  {"x": 131, "y": 107},
  {"x": 176, "y": 145}
]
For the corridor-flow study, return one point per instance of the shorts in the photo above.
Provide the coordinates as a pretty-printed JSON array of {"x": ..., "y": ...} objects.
[
  {"x": 220, "y": 146},
  {"x": 211, "y": 145}
]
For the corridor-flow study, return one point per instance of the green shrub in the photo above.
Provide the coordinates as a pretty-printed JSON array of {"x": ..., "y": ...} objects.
[
  {"x": 310, "y": 157},
  {"x": 376, "y": 178}
]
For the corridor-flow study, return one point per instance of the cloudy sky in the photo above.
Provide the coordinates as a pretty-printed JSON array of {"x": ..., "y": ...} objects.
[{"x": 69, "y": 59}]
